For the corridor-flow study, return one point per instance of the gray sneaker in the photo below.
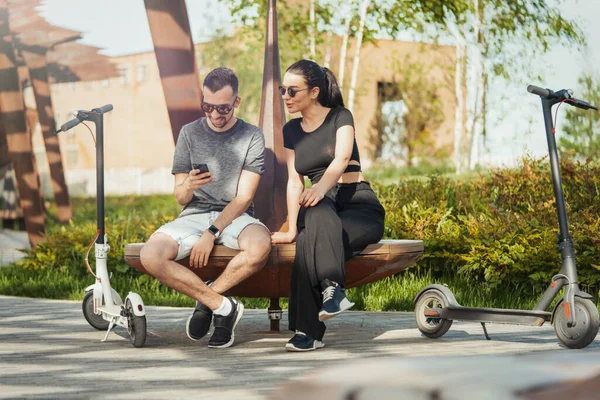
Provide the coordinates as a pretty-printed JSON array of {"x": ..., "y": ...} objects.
[
  {"x": 334, "y": 300},
  {"x": 302, "y": 342}
]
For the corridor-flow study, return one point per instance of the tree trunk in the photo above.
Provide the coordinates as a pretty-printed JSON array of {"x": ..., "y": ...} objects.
[
  {"x": 329, "y": 43},
  {"x": 361, "y": 27},
  {"x": 459, "y": 126},
  {"x": 480, "y": 83},
  {"x": 312, "y": 31},
  {"x": 344, "y": 48}
]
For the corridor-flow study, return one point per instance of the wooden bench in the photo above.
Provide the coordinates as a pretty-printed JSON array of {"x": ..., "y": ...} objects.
[{"x": 376, "y": 262}]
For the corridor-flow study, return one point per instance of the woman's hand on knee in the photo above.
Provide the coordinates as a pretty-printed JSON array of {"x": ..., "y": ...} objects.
[
  {"x": 283, "y": 237},
  {"x": 311, "y": 197}
]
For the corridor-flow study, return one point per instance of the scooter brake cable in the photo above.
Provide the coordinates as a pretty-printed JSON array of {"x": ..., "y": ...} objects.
[{"x": 88, "y": 253}]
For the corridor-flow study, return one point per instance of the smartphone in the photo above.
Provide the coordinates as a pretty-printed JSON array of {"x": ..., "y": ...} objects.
[{"x": 202, "y": 167}]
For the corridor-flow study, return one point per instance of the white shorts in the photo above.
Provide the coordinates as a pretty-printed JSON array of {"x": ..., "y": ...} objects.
[{"x": 187, "y": 230}]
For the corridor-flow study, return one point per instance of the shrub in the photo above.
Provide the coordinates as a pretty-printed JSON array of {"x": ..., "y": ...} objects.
[{"x": 500, "y": 227}]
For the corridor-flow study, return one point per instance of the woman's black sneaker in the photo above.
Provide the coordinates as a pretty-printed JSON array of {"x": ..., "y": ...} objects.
[
  {"x": 334, "y": 300},
  {"x": 302, "y": 342},
  {"x": 223, "y": 335},
  {"x": 199, "y": 322}
]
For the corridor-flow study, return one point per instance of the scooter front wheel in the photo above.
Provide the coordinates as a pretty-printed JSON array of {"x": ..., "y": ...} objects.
[
  {"x": 429, "y": 326},
  {"x": 93, "y": 319},
  {"x": 586, "y": 328},
  {"x": 136, "y": 326}
]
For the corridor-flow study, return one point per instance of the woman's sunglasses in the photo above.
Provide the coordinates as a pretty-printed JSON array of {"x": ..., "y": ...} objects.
[
  {"x": 221, "y": 109},
  {"x": 290, "y": 91}
]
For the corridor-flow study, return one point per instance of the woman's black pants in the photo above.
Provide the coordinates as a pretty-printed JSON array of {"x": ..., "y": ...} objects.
[{"x": 347, "y": 220}]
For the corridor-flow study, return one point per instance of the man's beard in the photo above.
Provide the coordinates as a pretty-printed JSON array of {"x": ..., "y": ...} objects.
[{"x": 221, "y": 122}]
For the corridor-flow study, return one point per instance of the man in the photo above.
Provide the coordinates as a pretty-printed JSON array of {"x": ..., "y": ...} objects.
[{"x": 217, "y": 209}]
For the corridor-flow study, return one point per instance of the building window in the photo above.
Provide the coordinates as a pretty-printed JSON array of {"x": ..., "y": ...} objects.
[
  {"x": 142, "y": 73},
  {"x": 123, "y": 74},
  {"x": 390, "y": 124}
]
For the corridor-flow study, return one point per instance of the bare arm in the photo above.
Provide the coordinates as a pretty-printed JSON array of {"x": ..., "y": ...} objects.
[
  {"x": 247, "y": 186},
  {"x": 185, "y": 184},
  {"x": 343, "y": 151},
  {"x": 295, "y": 186}
]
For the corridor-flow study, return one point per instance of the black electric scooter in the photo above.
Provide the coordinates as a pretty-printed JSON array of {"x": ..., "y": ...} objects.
[
  {"x": 102, "y": 306},
  {"x": 575, "y": 316}
]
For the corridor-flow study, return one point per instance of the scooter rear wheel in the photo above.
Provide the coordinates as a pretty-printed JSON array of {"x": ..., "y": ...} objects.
[
  {"x": 136, "y": 326},
  {"x": 585, "y": 330},
  {"x": 87, "y": 306},
  {"x": 432, "y": 327}
]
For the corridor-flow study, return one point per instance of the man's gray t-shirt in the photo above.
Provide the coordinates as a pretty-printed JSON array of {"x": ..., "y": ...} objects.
[{"x": 226, "y": 154}]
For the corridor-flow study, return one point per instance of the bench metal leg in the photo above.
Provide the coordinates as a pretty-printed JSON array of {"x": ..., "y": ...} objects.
[{"x": 275, "y": 314}]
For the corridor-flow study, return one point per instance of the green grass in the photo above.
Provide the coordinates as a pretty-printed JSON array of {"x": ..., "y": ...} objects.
[
  {"x": 391, "y": 294},
  {"x": 397, "y": 293}
]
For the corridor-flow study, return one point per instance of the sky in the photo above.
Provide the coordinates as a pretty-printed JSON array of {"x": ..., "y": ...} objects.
[{"x": 516, "y": 127}]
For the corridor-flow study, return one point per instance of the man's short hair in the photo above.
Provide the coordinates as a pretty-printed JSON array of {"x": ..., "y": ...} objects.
[{"x": 218, "y": 78}]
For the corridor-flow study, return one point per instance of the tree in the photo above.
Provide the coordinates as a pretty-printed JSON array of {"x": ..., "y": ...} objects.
[
  {"x": 491, "y": 37},
  {"x": 364, "y": 7},
  {"x": 582, "y": 127},
  {"x": 496, "y": 34}
]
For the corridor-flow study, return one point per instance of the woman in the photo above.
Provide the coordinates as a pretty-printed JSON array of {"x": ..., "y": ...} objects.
[{"x": 334, "y": 219}]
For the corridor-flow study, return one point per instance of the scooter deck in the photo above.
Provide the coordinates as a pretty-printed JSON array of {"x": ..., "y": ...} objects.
[{"x": 494, "y": 315}]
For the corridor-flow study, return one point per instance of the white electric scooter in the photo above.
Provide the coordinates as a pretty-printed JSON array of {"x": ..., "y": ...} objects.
[{"x": 102, "y": 306}]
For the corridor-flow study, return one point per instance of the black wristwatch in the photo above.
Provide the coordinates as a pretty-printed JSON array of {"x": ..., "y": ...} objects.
[{"x": 214, "y": 230}]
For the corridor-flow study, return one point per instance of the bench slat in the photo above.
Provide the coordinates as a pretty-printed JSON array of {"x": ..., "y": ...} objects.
[{"x": 289, "y": 250}]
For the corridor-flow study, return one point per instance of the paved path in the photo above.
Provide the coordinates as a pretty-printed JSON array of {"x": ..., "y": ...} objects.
[
  {"x": 49, "y": 351},
  {"x": 10, "y": 242}
]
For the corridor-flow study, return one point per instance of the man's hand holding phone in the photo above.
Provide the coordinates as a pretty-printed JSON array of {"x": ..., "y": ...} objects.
[{"x": 198, "y": 177}]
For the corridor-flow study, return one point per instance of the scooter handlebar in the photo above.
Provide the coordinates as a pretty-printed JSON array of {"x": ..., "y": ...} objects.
[
  {"x": 584, "y": 105},
  {"x": 83, "y": 116},
  {"x": 103, "y": 109},
  {"x": 68, "y": 125},
  {"x": 539, "y": 91}
]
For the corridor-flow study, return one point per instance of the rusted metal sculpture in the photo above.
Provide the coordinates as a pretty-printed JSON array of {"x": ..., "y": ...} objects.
[
  {"x": 18, "y": 139},
  {"x": 270, "y": 199},
  {"x": 38, "y": 75},
  {"x": 175, "y": 55},
  {"x": 40, "y": 50},
  {"x": 271, "y": 206}
]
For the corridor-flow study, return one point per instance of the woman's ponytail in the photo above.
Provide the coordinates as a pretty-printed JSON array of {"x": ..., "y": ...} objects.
[{"x": 333, "y": 96}]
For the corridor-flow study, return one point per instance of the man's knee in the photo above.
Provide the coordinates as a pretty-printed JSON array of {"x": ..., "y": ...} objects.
[
  {"x": 156, "y": 252},
  {"x": 255, "y": 241}
]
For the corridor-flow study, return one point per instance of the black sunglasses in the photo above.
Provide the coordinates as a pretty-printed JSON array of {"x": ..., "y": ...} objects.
[
  {"x": 290, "y": 91},
  {"x": 223, "y": 109}
]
